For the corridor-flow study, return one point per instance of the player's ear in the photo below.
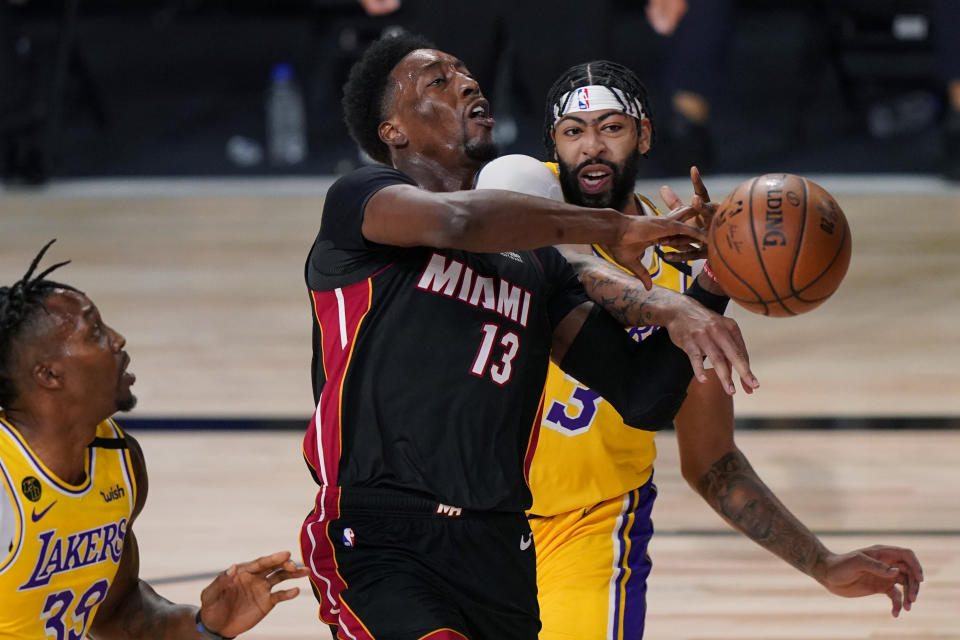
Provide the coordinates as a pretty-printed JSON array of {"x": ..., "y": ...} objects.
[
  {"x": 553, "y": 136},
  {"x": 391, "y": 134},
  {"x": 644, "y": 135},
  {"x": 47, "y": 375}
]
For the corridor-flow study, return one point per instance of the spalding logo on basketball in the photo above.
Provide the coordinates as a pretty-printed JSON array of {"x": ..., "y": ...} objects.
[{"x": 779, "y": 245}]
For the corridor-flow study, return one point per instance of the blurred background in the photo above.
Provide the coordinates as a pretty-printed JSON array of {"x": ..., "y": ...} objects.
[{"x": 184, "y": 87}]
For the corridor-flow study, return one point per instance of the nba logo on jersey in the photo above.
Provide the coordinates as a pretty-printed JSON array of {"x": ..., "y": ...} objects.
[
  {"x": 348, "y": 537},
  {"x": 583, "y": 99}
]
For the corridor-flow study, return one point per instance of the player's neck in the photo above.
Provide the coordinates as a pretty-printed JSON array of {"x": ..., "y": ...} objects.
[
  {"x": 59, "y": 442},
  {"x": 434, "y": 175},
  {"x": 632, "y": 206}
]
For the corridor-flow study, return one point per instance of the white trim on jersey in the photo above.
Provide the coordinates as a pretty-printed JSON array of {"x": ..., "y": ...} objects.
[{"x": 342, "y": 315}]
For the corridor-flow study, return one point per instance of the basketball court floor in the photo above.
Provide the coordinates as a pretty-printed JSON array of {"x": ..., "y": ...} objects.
[{"x": 204, "y": 278}]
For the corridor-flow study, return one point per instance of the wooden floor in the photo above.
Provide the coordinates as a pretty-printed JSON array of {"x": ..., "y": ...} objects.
[{"x": 204, "y": 279}]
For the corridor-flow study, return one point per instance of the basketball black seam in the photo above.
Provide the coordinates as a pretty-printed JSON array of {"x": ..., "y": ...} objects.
[
  {"x": 826, "y": 269},
  {"x": 756, "y": 246},
  {"x": 758, "y": 300},
  {"x": 803, "y": 233},
  {"x": 766, "y": 310}
]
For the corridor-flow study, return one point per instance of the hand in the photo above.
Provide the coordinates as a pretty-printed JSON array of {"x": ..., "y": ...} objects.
[
  {"x": 645, "y": 231},
  {"x": 380, "y": 7},
  {"x": 699, "y": 332},
  {"x": 700, "y": 210},
  {"x": 665, "y": 15},
  {"x": 876, "y": 569},
  {"x": 241, "y": 596}
]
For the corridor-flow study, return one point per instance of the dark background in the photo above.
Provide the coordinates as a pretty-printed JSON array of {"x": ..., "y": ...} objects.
[{"x": 101, "y": 88}]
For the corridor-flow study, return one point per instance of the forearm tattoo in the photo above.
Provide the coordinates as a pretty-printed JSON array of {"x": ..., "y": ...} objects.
[
  {"x": 625, "y": 298},
  {"x": 734, "y": 490}
]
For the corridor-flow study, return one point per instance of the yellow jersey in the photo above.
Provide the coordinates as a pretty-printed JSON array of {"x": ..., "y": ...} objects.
[
  {"x": 585, "y": 453},
  {"x": 61, "y": 543}
]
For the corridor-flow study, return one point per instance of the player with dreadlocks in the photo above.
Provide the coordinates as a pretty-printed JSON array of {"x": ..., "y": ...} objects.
[
  {"x": 72, "y": 483},
  {"x": 592, "y": 475}
]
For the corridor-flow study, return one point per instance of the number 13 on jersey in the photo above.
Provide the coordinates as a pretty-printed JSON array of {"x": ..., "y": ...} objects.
[{"x": 501, "y": 369}]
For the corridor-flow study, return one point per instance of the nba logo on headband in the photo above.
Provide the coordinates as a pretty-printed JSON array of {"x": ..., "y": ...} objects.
[
  {"x": 597, "y": 98},
  {"x": 583, "y": 98}
]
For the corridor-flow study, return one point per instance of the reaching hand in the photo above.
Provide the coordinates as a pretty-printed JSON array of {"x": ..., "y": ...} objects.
[
  {"x": 241, "y": 596},
  {"x": 645, "y": 231},
  {"x": 701, "y": 332},
  {"x": 700, "y": 210},
  {"x": 876, "y": 569}
]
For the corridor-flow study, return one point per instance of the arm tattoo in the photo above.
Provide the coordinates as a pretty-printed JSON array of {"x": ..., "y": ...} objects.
[
  {"x": 734, "y": 490},
  {"x": 623, "y": 296}
]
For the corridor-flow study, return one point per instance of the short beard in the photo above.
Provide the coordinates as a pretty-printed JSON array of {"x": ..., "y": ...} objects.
[
  {"x": 126, "y": 402},
  {"x": 481, "y": 151},
  {"x": 617, "y": 198}
]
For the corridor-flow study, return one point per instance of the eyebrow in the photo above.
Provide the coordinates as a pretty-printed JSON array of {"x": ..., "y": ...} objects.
[
  {"x": 88, "y": 312},
  {"x": 457, "y": 64}
]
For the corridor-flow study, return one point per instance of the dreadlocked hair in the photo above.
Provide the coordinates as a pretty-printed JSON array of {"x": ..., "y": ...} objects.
[
  {"x": 366, "y": 86},
  {"x": 602, "y": 73},
  {"x": 19, "y": 305}
]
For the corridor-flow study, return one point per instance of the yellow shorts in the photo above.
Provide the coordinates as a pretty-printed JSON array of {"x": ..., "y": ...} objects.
[{"x": 592, "y": 568}]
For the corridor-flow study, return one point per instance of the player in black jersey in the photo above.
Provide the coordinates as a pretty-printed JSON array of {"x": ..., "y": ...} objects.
[{"x": 436, "y": 311}]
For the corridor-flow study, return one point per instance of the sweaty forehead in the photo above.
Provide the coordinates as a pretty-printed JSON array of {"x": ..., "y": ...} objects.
[
  {"x": 68, "y": 308},
  {"x": 420, "y": 61}
]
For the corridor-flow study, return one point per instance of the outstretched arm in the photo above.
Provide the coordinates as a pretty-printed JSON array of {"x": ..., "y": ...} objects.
[
  {"x": 695, "y": 329},
  {"x": 490, "y": 220},
  {"x": 714, "y": 466},
  {"x": 233, "y": 603}
]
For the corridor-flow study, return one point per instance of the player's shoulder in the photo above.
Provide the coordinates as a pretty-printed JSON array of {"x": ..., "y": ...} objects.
[
  {"x": 367, "y": 179},
  {"x": 520, "y": 173}
]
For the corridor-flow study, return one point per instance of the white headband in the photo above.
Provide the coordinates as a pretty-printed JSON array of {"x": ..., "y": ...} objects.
[{"x": 596, "y": 98}]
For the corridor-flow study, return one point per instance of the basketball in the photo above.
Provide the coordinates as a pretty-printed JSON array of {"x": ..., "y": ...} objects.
[{"x": 779, "y": 245}]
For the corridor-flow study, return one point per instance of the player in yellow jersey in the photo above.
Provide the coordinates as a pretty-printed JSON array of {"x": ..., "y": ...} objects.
[
  {"x": 592, "y": 476},
  {"x": 72, "y": 483}
]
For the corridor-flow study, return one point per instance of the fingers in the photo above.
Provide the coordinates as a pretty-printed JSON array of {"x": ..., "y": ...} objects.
[
  {"x": 670, "y": 198},
  {"x": 698, "y": 187},
  {"x": 722, "y": 368},
  {"x": 696, "y": 362},
  {"x": 673, "y": 227},
  {"x": 289, "y": 572},
  {"x": 284, "y": 594},
  {"x": 736, "y": 352},
  {"x": 897, "y": 599},
  {"x": 267, "y": 564},
  {"x": 644, "y": 276}
]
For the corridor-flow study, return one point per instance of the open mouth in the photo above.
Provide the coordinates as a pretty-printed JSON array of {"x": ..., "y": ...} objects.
[
  {"x": 595, "y": 178},
  {"x": 479, "y": 112},
  {"x": 125, "y": 375}
]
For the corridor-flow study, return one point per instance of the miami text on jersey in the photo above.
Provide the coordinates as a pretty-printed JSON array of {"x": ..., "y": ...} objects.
[{"x": 455, "y": 279}]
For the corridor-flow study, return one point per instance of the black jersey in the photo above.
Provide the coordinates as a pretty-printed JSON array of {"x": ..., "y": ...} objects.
[{"x": 428, "y": 364}]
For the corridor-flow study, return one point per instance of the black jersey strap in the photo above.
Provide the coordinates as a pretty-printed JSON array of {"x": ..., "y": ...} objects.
[
  {"x": 712, "y": 301},
  {"x": 682, "y": 267},
  {"x": 109, "y": 443},
  {"x": 646, "y": 382}
]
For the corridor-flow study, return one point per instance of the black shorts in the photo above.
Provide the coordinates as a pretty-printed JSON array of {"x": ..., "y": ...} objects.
[{"x": 389, "y": 566}]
